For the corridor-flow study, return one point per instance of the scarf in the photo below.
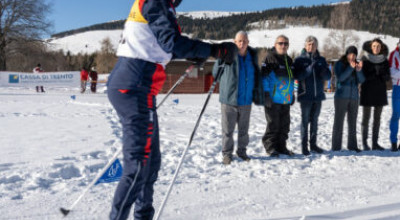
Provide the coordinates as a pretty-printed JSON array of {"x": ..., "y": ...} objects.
[{"x": 376, "y": 58}]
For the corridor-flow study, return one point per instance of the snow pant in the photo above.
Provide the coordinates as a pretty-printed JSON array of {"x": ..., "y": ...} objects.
[
  {"x": 232, "y": 115},
  {"x": 141, "y": 153},
  {"x": 93, "y": 86},
  {"x": 136, "y": 108},
  {"x": 376, "y": 123},
  {"x": 394, "y": 121},
  {"x": 83, "y": 86},
  {"x": 309, "y": 115},
  {"x": 278, "y": 127},
  {"x": 343, "y": 107}
]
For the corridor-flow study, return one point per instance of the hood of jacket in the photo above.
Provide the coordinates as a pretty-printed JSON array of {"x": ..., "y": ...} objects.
[
  {"x": 304, "y": 53},
  {"x": 367, "y": 47}
]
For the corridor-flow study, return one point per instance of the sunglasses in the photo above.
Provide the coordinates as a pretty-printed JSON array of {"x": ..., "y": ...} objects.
[{"x": 283, "y": 43}]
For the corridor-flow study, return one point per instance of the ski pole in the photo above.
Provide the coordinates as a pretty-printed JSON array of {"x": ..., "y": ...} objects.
[
  {"x": 220, "y": 70},
  {"x": 187, "y": 71},
  {"x": 65, "y": 211}
]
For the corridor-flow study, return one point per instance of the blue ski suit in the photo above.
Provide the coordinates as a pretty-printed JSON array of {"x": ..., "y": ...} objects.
[{"x": 151, "y": 38}]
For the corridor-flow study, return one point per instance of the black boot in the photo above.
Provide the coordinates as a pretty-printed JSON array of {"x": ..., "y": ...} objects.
[
  {"x": 305, "y": 151},
  {"x": 365, "y": 145},
  {"x": 282, "y": 149},
  {"x": 355, "y": 149},
  {"x": 243, "y": 156},
  {"x": 394, "y": 147},
  {"x": 317, "y": 149},
  {"x": 376, "y": 146}
]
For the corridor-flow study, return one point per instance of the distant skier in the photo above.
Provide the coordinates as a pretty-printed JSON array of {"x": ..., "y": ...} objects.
[
  {"x": 38, "y": 69},
  {"x": 151, "y": 38},
  {"x": 93, "y": 76},
  {"x": 84, "y": 79}
]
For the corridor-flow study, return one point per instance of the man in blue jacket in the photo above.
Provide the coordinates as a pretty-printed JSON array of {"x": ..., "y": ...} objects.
[
  {"x": 236, "y": 88},
  {"x": 312, "y": 71},
  {"x": 151, "y": 38},
  {"x": 278, "y": 84}
]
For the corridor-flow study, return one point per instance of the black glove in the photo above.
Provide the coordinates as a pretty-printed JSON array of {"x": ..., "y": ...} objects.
[
  {"x": 224, "y": 51},
  {"x": 267, "y": 68},
  {"x": 268, "y": 100},
  {"x": 311, "y": 66}
]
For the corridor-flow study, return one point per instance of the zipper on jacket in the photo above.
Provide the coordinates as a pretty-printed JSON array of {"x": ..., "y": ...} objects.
[
  {"x": 245, "y": 85},
  {"x": 315, "y": 85}
]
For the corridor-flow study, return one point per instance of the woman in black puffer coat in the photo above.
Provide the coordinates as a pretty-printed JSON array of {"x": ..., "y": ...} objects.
[{"x": 373, "y": 91}]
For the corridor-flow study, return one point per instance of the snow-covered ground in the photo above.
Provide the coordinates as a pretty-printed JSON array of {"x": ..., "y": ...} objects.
[
  {"x": 90, "y": 42},
  {"x": 53, "y": 146}
]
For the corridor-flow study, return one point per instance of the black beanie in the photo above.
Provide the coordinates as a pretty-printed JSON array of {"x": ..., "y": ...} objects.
[{"x": 352, "y": 49}]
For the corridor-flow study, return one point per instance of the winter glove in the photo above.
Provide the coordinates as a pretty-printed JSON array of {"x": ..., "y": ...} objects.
[
  {"x": 311, "y": 67},
  {"x": 224, "y": 51},
  {"x": 268, "y": 100},
  {"x": 267, "y": 68}
]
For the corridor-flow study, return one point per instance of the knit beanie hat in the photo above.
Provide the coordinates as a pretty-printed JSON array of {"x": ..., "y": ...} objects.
[{"x": 352, "y": 49}]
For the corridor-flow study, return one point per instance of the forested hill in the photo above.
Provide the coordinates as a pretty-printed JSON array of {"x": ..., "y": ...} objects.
[{"x": 376, "y": 16}]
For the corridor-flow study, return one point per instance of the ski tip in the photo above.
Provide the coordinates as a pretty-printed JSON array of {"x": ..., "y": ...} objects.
[{"x": 64, "y": 211}]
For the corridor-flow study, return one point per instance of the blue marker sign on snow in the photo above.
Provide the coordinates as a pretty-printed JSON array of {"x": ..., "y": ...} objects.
[
  {"x": 176, "y": 101},
  {"x": 113, "y": 173},
  {"x": 73, "y": 97}
]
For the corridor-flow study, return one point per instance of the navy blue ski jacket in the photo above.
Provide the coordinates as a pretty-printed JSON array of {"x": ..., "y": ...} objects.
[{"x": 312, "y": 71}]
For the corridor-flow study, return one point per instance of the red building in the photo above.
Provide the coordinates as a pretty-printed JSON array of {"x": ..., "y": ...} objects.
[{"x": 198, "y": 81}]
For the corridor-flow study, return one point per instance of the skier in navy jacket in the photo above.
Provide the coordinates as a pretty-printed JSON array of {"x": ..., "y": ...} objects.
[{"x": 151, "y": 38}]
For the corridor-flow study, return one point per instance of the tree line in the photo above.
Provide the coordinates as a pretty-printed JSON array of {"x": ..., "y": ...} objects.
[
  {"x": 21, "y": 47},
  {"x": 377, "y": 16}
]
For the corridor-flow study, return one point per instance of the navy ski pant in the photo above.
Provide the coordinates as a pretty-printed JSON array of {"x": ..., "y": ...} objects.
[
  {"x": 136, "y": 108},
  {"x": 141, "y": 152}
]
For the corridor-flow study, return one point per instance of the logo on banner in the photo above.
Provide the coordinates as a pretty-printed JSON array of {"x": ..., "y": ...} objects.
[
  {"x": 113, "y": 173},
  {"x": 13, "y": 78}
]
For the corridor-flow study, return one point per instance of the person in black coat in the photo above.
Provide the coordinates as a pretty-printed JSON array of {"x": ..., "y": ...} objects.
[
  {"x": 93, "y": 75},
  {"x": 373, "y": 91}
]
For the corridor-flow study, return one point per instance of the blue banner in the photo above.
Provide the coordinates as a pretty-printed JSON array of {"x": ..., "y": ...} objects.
[
  {"x": 113, "y": 173},
  {"x": 15, "y": 79}
]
